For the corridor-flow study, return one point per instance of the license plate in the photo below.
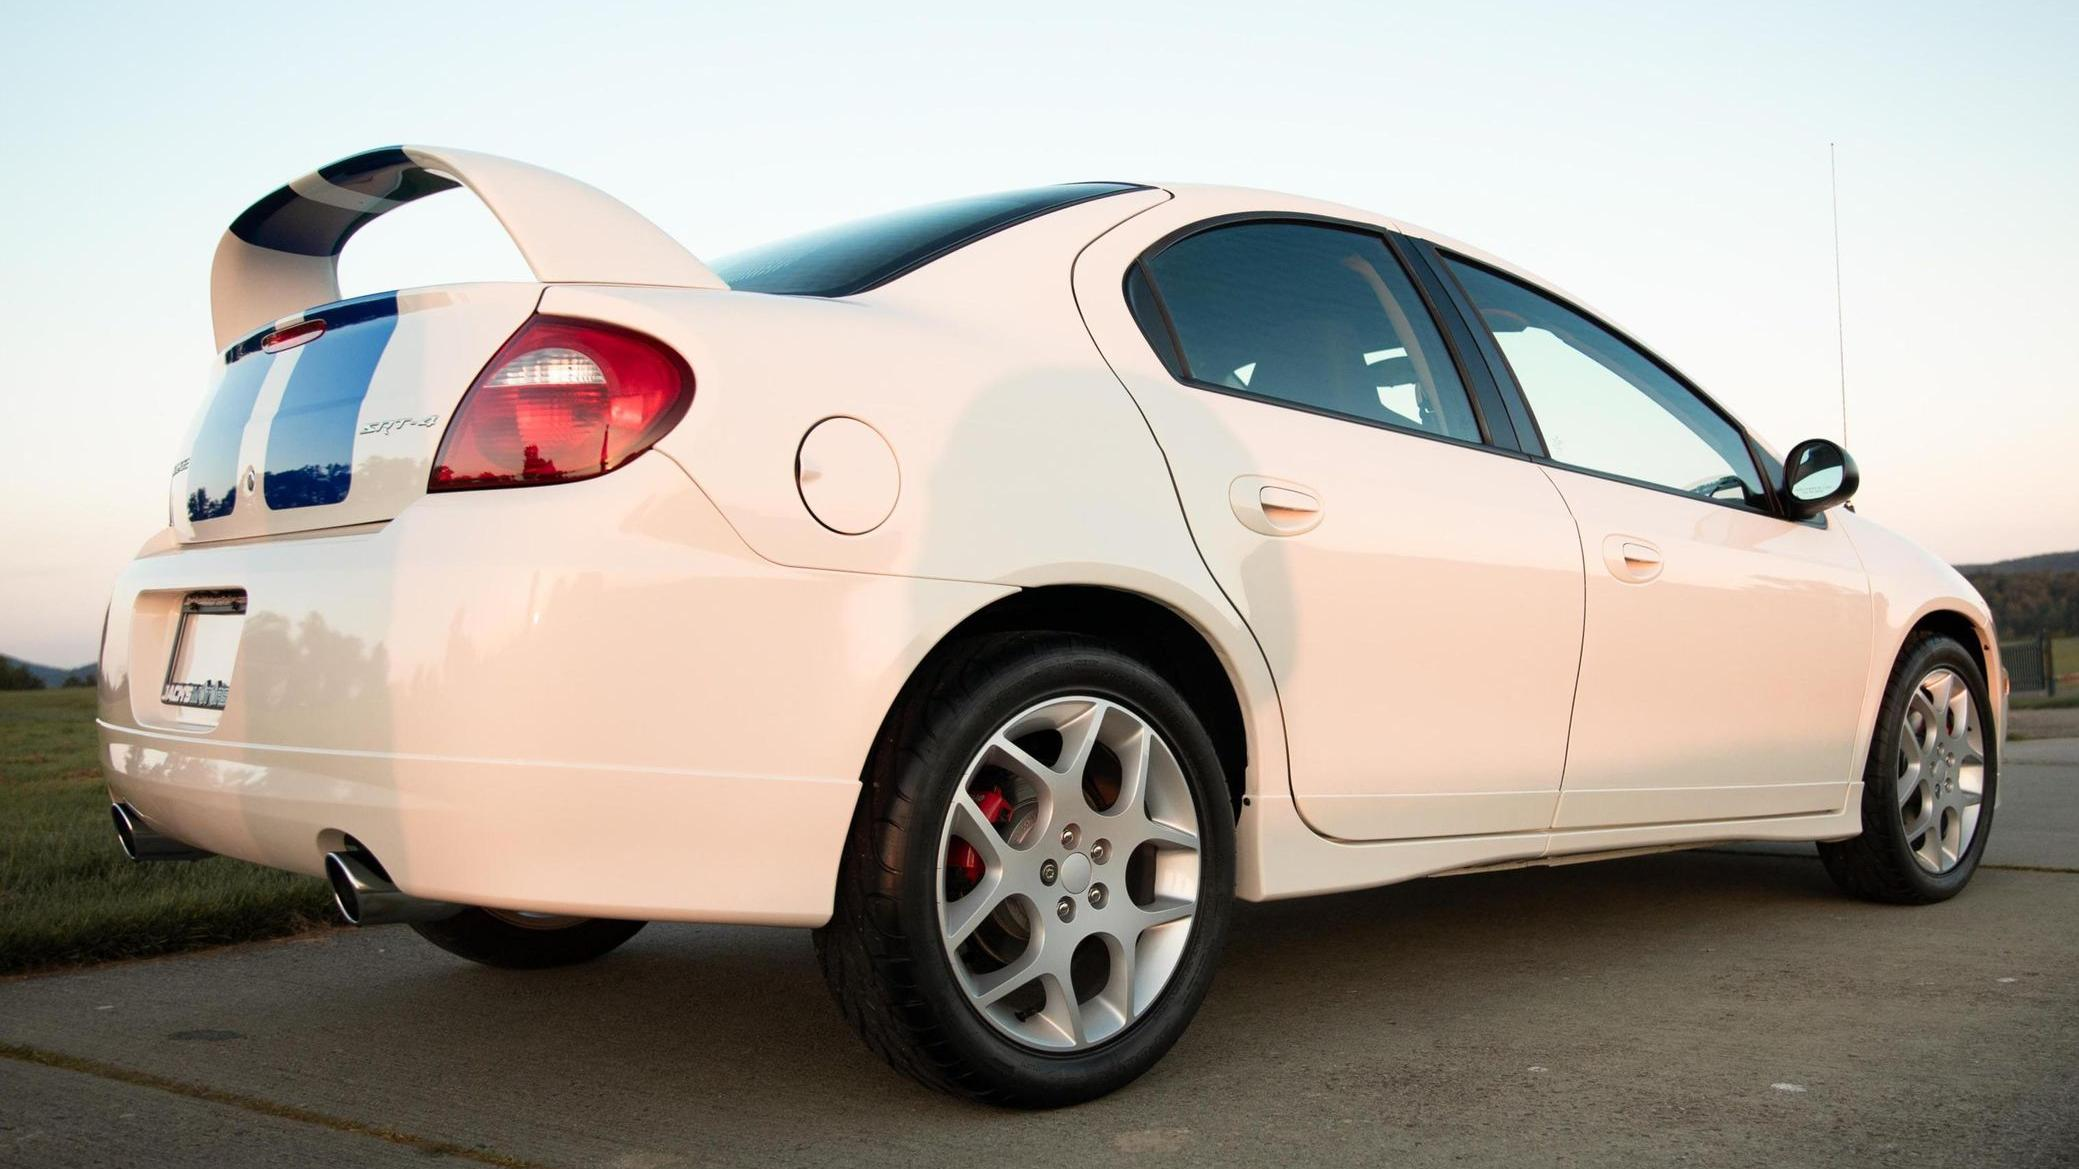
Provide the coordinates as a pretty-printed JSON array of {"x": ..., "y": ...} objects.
[{"x": 204, "y": 649}]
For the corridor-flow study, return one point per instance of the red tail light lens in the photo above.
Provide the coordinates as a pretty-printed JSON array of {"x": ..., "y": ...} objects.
[{"x": 564, "y": 400}]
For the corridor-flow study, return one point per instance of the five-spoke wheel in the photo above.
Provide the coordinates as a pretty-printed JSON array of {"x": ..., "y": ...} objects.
[
  {"x": 1071, "y": 871},
  {"x": 1039, "y": 874},
  {"x": 1929, "y": 787},
  {"x": 1941, "y": 770}
]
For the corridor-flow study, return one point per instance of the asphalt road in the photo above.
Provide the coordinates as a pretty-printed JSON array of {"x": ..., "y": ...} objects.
[{"x": 1712, "y": 1008}]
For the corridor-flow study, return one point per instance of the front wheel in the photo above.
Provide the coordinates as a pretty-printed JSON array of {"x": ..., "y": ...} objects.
[
  {"x": 1929, "y": 788},
  {"x": 1037, "y": 883},
  {"x": 525, "y": 941}
]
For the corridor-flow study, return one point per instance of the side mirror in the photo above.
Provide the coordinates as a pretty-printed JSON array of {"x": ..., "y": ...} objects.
[{"x": 1817, "y": 475}]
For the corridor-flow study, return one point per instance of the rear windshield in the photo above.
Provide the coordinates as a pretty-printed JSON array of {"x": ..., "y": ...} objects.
[{"x": 853, "y": 257}]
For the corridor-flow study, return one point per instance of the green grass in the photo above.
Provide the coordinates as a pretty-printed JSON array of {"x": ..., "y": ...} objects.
[{"x": 67, "y": 895}]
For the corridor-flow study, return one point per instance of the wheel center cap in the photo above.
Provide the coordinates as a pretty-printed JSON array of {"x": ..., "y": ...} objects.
[{"x": 1075, "y": 872}]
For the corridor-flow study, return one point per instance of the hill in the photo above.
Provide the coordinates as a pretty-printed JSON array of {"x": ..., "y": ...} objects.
[
  {"x": 2031, "y": 601},
  {"x": 52, "y": 677},
  {"x": 2044, "y": 562}
]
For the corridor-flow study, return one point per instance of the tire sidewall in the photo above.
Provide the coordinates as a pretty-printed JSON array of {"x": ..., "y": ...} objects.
[
  {"x": 1880, "y": 779},
  {"x": 1067, "y": 670}
]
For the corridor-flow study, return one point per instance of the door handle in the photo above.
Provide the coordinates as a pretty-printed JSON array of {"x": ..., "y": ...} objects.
[
  {"x": 1273, "y": 506},
  {"x": 1632, "y": 559}
]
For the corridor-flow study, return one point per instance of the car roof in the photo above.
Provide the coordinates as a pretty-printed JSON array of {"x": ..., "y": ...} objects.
[
  {"x": 1224, "y": 200},
  {"x": 1228, "y": 197}
]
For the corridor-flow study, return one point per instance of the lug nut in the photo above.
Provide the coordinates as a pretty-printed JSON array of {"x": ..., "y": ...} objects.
[
  {"x": 1048, "y": 871},
  {"x": 1066, "y": 908},
  {"x": 1069, "y": 836},
  {"x": 1100, "y": 851},
  {"x": 1097, "y": 896}
]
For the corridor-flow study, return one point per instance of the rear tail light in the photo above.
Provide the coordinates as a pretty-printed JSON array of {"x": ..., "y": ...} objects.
[{"x": 564, "y": 400}]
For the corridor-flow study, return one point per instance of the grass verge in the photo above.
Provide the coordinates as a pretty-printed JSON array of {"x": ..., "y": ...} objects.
[{"x": 68, "y": 896}]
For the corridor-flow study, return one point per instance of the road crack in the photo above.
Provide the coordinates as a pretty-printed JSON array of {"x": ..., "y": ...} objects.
[{"x": 255, "y": 1104}]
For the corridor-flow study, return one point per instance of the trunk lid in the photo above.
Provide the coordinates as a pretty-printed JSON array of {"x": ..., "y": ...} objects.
[{"x": 343, "y": 428}]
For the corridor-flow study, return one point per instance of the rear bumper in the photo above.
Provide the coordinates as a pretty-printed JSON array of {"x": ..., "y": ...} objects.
[{"x": 588, "y": 699}]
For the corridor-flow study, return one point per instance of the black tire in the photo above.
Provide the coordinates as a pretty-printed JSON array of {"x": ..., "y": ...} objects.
[
  {"x": 881, "y": 952},
  {"x": 1878, "y": 865},
  {"x": 491, "y": 940}
]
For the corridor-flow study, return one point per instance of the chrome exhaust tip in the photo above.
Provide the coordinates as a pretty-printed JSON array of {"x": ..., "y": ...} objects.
[
  {"x": 141, "y": 843},
  {"x": 365, "y": 896}
]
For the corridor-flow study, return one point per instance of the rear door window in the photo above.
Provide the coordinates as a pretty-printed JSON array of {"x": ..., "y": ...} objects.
[{"x": 1323, "y": 318}]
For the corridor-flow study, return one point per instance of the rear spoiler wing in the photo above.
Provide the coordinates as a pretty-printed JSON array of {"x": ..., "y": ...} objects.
[{"x": 282, "y": 255}]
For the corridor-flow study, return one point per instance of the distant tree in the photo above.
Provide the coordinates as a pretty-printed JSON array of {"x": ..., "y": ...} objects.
[
  {"x": 16, "y": 676},
  {"x": 81, "y": 679},
  {"x": 2025, "y": 604}
]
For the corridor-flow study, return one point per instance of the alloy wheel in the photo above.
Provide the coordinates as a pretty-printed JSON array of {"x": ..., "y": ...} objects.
[
  {"x": 1941, "y": 777},
  {"x": 1068, "y": 873}
]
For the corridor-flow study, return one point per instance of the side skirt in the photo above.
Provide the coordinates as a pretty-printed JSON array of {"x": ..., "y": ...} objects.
[{"x": 1282, "y": 857}]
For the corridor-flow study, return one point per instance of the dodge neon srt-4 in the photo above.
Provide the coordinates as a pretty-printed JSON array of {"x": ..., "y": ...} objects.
[{"x": 1000, "y": 588}]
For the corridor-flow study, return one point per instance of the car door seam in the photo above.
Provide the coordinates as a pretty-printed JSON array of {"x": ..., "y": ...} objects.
[
  {"x": 1184, "y": 515},
  {"x": 1580, "y": 654}
]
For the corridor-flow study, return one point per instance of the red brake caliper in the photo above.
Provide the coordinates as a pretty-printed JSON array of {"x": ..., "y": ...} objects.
[{"x": 962, "y": 857}]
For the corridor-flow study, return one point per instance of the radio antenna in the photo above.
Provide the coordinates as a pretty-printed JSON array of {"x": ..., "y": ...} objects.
[{"x": 1833, "y": 174}]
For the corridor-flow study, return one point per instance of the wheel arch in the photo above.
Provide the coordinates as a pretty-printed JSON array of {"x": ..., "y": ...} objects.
[
  {"x": 1156, "y": 634},
  {"x": 1973, "y": 628},
  {"x": 1977, "y": 640},
  {"x": 1915, "y": 592}
]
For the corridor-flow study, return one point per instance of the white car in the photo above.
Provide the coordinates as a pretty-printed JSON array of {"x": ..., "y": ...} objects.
[{"x": 1001, "y": 588}]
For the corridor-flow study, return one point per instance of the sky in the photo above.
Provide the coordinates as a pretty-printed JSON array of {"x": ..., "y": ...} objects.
[{"x": 1666, "y": 163}]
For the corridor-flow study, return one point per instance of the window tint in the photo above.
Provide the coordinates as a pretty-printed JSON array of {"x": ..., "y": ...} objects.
[
  {"x": 1320, "y": 317},
  {"x": 853, "y": 257},
  {"x": 1140, "y": 301},
  {"x": 1604, "y": 406}
]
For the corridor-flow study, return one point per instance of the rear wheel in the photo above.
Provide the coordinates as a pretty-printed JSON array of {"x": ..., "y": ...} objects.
[
  {"x": 1929, "y": 787},
  {"x": 525, "y": 941},
  {"x": 1037, "y": 882}
]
